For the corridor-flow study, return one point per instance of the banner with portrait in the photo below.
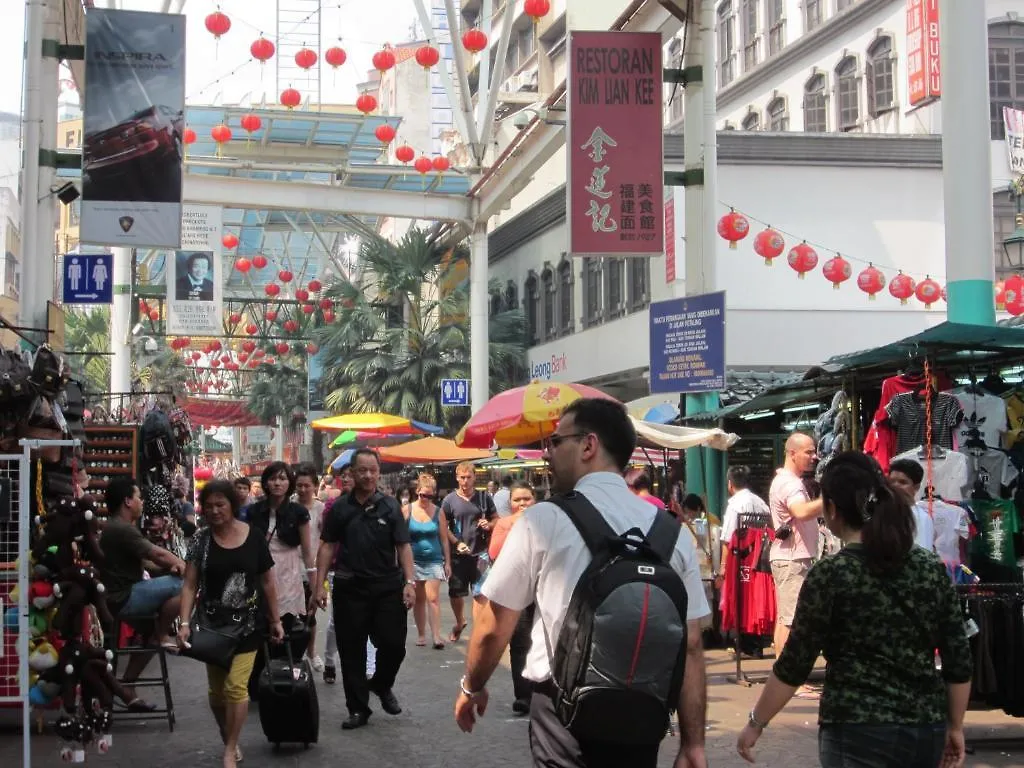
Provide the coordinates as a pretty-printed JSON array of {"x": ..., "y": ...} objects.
[
  {"x": 133, "y": 124},
  {"x": 194, "y": 281}
]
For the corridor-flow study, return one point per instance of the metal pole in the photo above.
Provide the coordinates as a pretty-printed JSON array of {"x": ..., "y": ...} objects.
[
  {"x": 120, "y": 322},
  {"x": 24, "y": 515},
  {"x": 966, "y": 166},
  {"x": 479, "y": 342}
]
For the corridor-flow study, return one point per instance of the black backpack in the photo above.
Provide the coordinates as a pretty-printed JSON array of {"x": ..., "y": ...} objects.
[
  {"x": 619, "y": 660},
  {"x": 158, "y": 444}
]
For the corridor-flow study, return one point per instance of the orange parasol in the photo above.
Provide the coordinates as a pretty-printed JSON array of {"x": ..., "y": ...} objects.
[{"x": 430, "y": 450}]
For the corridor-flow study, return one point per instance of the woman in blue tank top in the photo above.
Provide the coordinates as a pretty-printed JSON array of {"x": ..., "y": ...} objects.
[{"x": 431, "y": 558}]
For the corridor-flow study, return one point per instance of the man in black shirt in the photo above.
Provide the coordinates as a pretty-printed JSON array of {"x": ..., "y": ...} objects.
[{"x": 370, "y": 599}]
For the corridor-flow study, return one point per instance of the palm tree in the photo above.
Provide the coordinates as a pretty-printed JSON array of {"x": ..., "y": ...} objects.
[
  {"x": 278, "y": 392},
  {"x": 402, "y": 328},
  {"x": 166, "y": 372},
  {"x": 87, "y": 331}
]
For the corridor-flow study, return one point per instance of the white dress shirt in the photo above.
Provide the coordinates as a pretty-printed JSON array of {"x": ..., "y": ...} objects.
[{"x": 544, "y": 557}]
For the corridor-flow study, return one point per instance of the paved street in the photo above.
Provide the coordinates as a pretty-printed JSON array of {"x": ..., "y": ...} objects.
[{"x": 425, "y": 736}]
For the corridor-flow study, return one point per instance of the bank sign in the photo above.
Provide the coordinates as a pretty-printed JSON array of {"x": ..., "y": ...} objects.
[
  {"x": 548, "y": 368},
  {"x": 688, "y": 344}
]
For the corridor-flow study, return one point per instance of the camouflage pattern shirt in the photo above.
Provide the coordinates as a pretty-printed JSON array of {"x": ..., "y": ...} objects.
[{"x": 878, "y": 635}]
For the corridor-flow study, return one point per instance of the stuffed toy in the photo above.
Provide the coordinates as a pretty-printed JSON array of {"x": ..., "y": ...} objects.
[
  {"x": 11, "y": 620},
  {"x": 79, "y": 586},
  {"x": 74, "y": 662},
  {"x": 38, "y": 622},
  {"x": 72, "y": 527},
  {"x": 41, "y": 594},
  {"x": 46, "y": 688},
  {"x": 42, "y": 656}
]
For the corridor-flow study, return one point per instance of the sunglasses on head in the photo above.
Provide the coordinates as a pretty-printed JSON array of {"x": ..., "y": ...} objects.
[{"x": 425, "y": 495}]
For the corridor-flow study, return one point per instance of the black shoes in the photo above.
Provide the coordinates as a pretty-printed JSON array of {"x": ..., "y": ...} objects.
[
  {"x": 388, "y": 702},
  {"x": 330, "y": 675},
  {"x": 355, "y": 720},
  {"x": 521, "y": 707}
]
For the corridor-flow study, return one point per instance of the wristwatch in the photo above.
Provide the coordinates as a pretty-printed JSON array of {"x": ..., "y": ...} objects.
[
  {"x": 753, "y": 721},
  {"x": 410, "y": 583}
]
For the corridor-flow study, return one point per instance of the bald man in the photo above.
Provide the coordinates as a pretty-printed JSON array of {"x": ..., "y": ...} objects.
[{"x": 792, "y": 556}]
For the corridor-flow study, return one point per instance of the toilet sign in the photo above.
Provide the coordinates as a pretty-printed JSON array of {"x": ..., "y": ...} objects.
[
  {"x": 454, "y": 392},
  {"x": 88, "y": 278}
]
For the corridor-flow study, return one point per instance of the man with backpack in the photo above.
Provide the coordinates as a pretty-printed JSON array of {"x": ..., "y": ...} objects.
[{"x": 616, "y": 642}]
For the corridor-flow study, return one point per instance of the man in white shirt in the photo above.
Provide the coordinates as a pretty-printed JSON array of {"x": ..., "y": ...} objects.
[
  {"x": 503, "y": 498},
  {"x": 542, "y": 561},
  {"x": 742, "y": 501},
  {"x": 906, "y": 475}
]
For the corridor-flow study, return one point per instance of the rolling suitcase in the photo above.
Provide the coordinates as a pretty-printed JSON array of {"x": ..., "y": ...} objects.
[{"x": 289, "y": 708}]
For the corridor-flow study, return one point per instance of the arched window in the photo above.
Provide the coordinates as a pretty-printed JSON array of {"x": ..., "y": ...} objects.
[
  {"x": 511, "y": 295},
  {"x": 815, "y": 105},
  {"x": 879, "y": 72},
  {"x": 565, "y": 297},
  {"x": 615, "y": 287},
  {"x": 726, "y": 44},
  {"x": 752, "y": 121},
  {"x": 778, "y": 117},
  {"x": 1005, "y": 72},
  {"x": 550, "y": 322},
  {"x": 592, "y": 291},
  {"x": 848, "y": 107},
  {"x": 531, "y": 306}
]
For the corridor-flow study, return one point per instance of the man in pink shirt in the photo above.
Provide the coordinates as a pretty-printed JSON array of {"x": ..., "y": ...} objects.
[{"x": 791, "y": 556}]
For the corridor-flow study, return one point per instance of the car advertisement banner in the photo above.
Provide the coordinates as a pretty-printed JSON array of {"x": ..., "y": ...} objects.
[
  {"x": 194, "y": 280},
  {"x": 132, "y": 128}
]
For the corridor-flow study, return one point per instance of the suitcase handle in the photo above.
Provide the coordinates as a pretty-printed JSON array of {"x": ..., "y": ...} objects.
[{"x": 277, "y": 686}]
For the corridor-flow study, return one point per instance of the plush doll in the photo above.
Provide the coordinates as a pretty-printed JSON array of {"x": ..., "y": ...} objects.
[
  {"x": 41, "y": 594},
  {"x": 46, "y": 688},
  {"x": 98, "y": 689},
  {"x": 38, "y": 622},
  {"x": 79, "y": 586},
  {"x": 42, "y": 656},
  {"x": 71, "y": 526},
  {"x": 74, "y": 660},
  {"x": 11, "y": 620}
]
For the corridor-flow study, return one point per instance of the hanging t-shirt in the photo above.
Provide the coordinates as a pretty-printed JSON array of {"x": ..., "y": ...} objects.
[
  {"x": 998, "y": 521},
  {"x": 1014, "y": 417},
  {"x": 924, "y": 530},
  {"x": 992, "y": 470},
  {"x": 950, "y": 524},
  {"x": 906, "y": 413},
  {"x": 982, "y": 411},
  {"x": 950, "y": 473}
]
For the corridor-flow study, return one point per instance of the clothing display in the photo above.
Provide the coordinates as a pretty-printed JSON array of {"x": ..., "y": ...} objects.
[
  {"x": 998, "y": 647},
  {"x": 998, "y": 521},
  {"x": 924, "y": 530},
  {"x": 991, "y": 470},
  {"x": 950, "y": 472},
  {"x": 950, "y": 524},
  {"x": 906, "y": 413},
  {"x": 880, "y": 441},
  {"x": 748, "y": 568},
  {"x": 984, "y": 412},
  {"x": 1014, "y": 400}
]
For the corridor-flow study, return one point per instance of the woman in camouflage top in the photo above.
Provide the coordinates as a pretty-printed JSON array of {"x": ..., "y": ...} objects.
[{"x": 877, "y": 611}]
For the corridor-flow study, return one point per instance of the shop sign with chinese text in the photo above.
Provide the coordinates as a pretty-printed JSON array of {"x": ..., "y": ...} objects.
[
  {"x": 615, "y": 194},
  {"x": 924, "y": 78}
]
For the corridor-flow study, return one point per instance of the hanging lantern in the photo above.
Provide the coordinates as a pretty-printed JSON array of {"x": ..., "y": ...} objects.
[
  {"x": 802, "y": 258},
  {"x": 474, "y": 40},
  {"x": 733, "y": 227},
  {"x": 902, "y": 287},
  {"x": 259, "y": 353},
  {"x": 290, "y": 326},
  {"x": 270, "y": 315},
  {"x": 259, "y": 261},
  {"x": 261, "y": 49},
  {"x": 215, "y": 363},
  {"x": 235, "y": 318},
  {"x": 249, "y": 346},
  {"x": 405, "y": 154},
  {"x": 232, "y": 366},
  {"x": 1014, "y": 288},
  {"x": 188, "y": 136},
  {"x": 769, "y": 245},
  {"x": 196, "y": 357},
  {"x": 218, "y": 24},
  {"x": 312, "y": 348},
  {"x": 282, "y": 347},
  {"x": 306, "y": 58},
  {"x": 329, "y": 315},
  {"x": 384, "y": 59},
  {"x": 423, "y": 164},
  {"x": 251, "y": 123},
  {"x": 837, "y": 270},
  {"x": 272, "y": 289},
  {"x": 928, "y": 292},
  {"x": 243, "y": 356},
  {"x": 1000, "y": 294},
  {"x": 441, "y": 163},
  {"x": 222, "y": 135},
  {"x": 230, "y": 240},
  {"x": 185, "y": 342},
  {"x": 335, "y": 56},
  {"x": 385, "y": 133},
  {"x": 154, "y": 315},
  {"x": 308, "y": 309},
  {"x": 427, "y": 56},
  {"x": 216, "y": 346},
  {"x": 537, "y": 9},
  {"x": 285, "y": 276},
  {"x": 315, "y": 286},
  {"x": 290, "y": 98},
  {"x": 326, "y": 304},
  {"x": 366, "y": 103},
  {"x": 243, "y": 265},
  {"x": 871, "y": 281},
  {"x": 301, "y": 294}
]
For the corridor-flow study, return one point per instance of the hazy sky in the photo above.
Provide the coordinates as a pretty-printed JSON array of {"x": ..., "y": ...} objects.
[{"x": 217, "y": 71}]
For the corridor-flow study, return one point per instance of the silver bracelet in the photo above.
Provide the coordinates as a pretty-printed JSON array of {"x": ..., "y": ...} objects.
[
  {"x": 466, "y": 691},
  {"x": 755, "y": 722}
]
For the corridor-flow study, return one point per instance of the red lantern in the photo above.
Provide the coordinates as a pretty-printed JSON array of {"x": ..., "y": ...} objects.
[
  {"x": 902, "y": 287},
  {"x": 259, "y": 353},
  {"x": 423, "y": 164},
  {"x": 427, "y": 56},
  {"x": 270, "y": 315},
  {"x": 769, "y": 245},
  {"x": 1015, "y": 295},
  {"x": 366, "y": 103},
  {"x": 328, "y": 315},
  {"x": 326, "y": 304},
  {"x": 269, "y": 361},
  {"x": 216, "y": 346},
  {"x": 405, "y": 154},
  {"x": 281, "y": 347},
  {"x": 242, "y": 357},
  {"x": 335, "y": 56},
  {"x": 871, "y": 281},
  {"x": 243, "y": 265},
  {"x": 229, "y": 239},
  {"x": 733, "y": 227},
  {"x": 251, "y": 329},
  {"x": 383, "y": 60},
  {"x": 441, "y": 163},
  {"x": 385, "y": 133},
  {"x": 272, "y": 289},
  {"x": 235, "y": 318},
  {"x": 306, "y": 58},
  {"x": 1000, "y": 291},
  {"x": 196, "y": 357},
  {"x": 231, "y": 366},
  {"x": 308, "y": 309},
  {"x": 251, "y": 123},
  {"x": 185, "y": 341},
  {"x": 301, "y": 294},
  {"x": 249, "y": 346},
  {"x": 537, "y": 9},
  {"x": 218, "y": 24},
  {"x": 143, "y": 307},
  {"x": 290, "y": 98},
  {"x": 154, "y": 315},
  {"x": 188, "y": 136},
  {"x": 315, "y": 286},
  {"x": 928, "y": 292},
  {"x": 261, "y": 49},
  {"x": 285, "y": 276},
  {"x": 802, "y": 258},
  {"x": 215, "y": 363},
  {"x": 259, "y": 261},
  {"x": 837, "y": 270},
  {"x": 312, "y": 348},
  {"x": 221, "y": 134},
  {"x": 291, "y": 326},
  {"x": 203, "y": 473},
  {"x": 474, "y": 41}
]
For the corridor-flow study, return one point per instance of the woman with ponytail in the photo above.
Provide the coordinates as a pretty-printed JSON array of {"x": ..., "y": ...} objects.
[{"x": 877, "y": 611}]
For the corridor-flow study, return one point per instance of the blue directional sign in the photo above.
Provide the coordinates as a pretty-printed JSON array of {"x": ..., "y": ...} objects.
[
  {"x": 454, "y": 392},
  {"x": 88, "y": 278}
]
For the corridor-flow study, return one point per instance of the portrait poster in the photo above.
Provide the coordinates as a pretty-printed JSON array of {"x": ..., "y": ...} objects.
[{"x": 194, "y": 274}]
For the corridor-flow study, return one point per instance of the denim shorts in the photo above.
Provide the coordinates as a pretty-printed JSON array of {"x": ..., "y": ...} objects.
[
  {"x": 843, "y": 745},
  {"x": 150, "y": 594}
]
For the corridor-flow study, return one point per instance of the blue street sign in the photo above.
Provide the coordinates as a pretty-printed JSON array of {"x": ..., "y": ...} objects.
[
  {"x": 88, "y": 278},
  {"x": 688, "y": 344},
  {"x": 454, "y": 392}
]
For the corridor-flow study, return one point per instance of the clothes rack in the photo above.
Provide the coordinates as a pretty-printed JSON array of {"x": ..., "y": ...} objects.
[{"x": 745, "y": 521}]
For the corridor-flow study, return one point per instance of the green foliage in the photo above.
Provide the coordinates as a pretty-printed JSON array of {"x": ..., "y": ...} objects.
[
  {"x": 278, "y": 392},
  {"x": 88, "y": 330}
]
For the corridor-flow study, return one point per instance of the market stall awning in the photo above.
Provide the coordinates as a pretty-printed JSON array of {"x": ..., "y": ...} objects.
[
  {"x": 205, "y": 412},
  {"x": 680, "y": 438},
  {"x": 431, "y": 450},
  {"x": 659, "y": 408}
]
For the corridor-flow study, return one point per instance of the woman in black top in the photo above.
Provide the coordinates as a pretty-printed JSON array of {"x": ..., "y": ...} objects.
[
  {"x": 877, "y": 611},
  {"x": 231, "y": 559}
]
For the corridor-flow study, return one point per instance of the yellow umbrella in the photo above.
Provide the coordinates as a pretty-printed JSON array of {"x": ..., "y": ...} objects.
[{"x": 364, "y": 422}]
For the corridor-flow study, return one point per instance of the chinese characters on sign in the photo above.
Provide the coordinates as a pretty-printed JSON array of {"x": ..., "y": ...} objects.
[
  {"x": 615, "y": 192},
  {"x": 688, "y": 344},
  {"x": 194, "y": 280},
  {"x": 924, "y": 80}
]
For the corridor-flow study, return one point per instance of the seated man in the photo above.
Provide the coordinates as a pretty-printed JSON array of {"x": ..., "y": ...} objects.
[{"x": 127, "y": 554}]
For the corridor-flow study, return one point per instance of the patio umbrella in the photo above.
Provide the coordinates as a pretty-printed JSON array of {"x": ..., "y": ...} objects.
[
  {"x": 382, "y": 423},
  {"x": 352, "y": 439},
  {"x": 522, "y": 415},
  {"x": 344, "y": 459},
  {"x": 431, "y": 450}
]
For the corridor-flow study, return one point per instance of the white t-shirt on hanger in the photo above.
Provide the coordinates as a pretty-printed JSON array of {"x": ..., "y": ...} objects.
[
  {"x": 983, "y": 411},
  {"x": 950, "y": 473},
  {"x": 950, "y": 524}
]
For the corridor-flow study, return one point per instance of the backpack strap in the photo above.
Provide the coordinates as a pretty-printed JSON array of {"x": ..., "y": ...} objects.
[
  {"x": 663, "y": 535},
  {"x": 588, "y": 521}
]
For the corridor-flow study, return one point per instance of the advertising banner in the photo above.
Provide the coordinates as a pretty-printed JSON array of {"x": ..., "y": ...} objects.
[
  {"x": 194, "y": 280},
  {"x": 924, "y": 78},
  {"x": 688, "y": 344},
  {"x": 1013, "y": 120},
  {"x": 615, "y": 192},
  {"x": 133, "y": 122},
  {"x": 670, "y": 238}
]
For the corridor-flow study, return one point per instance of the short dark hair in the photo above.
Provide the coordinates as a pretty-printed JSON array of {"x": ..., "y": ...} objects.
[
  {"x": 908, "y": 467},
  {"x": 638, "y": 480},
  {"x": 225, "y": 488},
  {"x": 506, "y": 481},
  {"x": 118, "y": 492},
  {"x": 305, "y": 469},
  {"x": 520, "y": 485},
  {"x": 739, "y": 476},
  {"x": 193, "y": 257},
  {"x": 243, "y": 480},
  {"x": 694, "y": 502},
  {"x": 274, "y": 468},
  {"x": 364, "y": 452},
  {"x": 608, "y": 420}
]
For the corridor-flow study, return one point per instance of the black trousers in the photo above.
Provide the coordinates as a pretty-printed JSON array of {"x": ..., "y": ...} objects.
[
  {"x": 552, "y": 746},
  {"x": 518, "y": 647},
  {"x": 374, "y": 610}
]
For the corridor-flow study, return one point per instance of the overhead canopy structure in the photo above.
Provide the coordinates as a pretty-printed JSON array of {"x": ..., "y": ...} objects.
[
  {"x": 219, "y": 413},
  {"x": 681, "y": 438},
  {"x": 431, "y": 450}
]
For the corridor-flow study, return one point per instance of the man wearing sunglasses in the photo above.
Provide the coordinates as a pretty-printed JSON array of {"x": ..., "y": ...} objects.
[{"x": 542, "y": 561}]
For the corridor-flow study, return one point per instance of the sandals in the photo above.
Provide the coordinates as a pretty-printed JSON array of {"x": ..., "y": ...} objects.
[
  {"x": 438, "y": 646},
  {"x": 421, "y": 642},
  {"x": 139, "y": 705},
  {"x": 457, "y": 632}
]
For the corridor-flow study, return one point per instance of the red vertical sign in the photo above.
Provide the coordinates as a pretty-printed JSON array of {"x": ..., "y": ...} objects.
[
  {"x": 924, "y": 79},
  {"x": 615, "y": 177},
  {"x": 670, "y": 240}
]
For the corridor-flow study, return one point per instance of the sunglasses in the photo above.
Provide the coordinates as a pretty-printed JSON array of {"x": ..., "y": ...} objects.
[
  {"x": 556, "y": 440},
  {"x": 425, "y": 495}
]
